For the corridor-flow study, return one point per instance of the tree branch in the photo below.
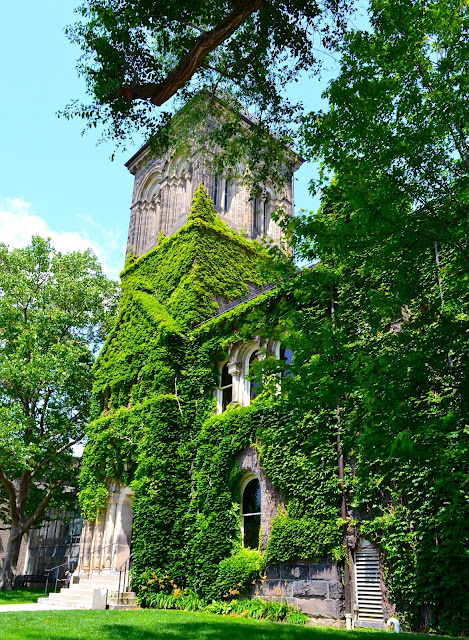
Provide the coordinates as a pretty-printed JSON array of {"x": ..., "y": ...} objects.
[
  {"x": 56, "y": 453},
  {"x": 41, "y": 506},
  {"x": 158, "y": 94}
]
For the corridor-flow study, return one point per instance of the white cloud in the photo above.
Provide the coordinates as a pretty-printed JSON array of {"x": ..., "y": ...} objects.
[{"x": 18, "y": 223}]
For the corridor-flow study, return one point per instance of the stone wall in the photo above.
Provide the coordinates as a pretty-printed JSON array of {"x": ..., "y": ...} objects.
[
  {"x": 163, "y": 192},
  {"x": 314, "y": 587}
]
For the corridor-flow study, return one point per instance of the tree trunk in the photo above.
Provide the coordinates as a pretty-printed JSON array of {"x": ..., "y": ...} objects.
[{"x": 10, "y": 561}]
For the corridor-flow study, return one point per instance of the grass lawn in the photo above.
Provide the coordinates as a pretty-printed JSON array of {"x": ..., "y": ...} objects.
[
  {"x": 147, "y": 624},
  {"x": 21, "y": 596}
]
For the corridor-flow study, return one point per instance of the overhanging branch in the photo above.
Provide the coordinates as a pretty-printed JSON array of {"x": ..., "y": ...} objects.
[{"x": 158, "y": 94}]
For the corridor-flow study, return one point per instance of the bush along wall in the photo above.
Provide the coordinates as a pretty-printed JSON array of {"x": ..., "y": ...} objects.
[{"x": 154, "y": 408}]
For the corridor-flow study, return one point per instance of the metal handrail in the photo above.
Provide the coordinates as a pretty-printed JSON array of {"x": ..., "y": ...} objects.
[
  {"x": 125, "y": 567},
  {"x": 78, "y": 561}
]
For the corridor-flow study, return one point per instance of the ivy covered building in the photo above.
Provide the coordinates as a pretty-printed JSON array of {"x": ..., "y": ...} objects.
[{"x": 196, "y": 463}]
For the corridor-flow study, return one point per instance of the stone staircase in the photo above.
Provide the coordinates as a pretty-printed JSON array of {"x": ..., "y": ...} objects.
[{"x": 97, "y": 591}]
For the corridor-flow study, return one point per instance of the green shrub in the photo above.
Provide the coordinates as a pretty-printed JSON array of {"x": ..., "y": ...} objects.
[
  {"x": 257, "y": 608},
  {"x": 237, "y": 573},
  {"x": 295, "y": 538}
]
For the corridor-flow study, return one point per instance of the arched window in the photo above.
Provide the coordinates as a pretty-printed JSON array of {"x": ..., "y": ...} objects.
[
  {"x": 226, "y": 387},
  {"x": 254, "y": 387},
  {"x": 251, "y": 513}
]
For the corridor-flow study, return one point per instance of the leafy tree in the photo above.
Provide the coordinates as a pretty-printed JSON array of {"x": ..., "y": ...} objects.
[
  {"x": 397, "y": 126},
  {"x": 138, "y": 54},
  {"x": 55, "y": 310},
  {"x": 385, "y": 315}
]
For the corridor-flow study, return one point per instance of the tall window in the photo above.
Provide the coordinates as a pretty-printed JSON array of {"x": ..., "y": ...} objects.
[
  {"x": 257, "y": 206},
  {"x": 260, "y": 212},
  {"x": 215, "y": 190},
  {"x": 251, "y": 513},
  {"x": 254, "y": 387},
  {"x": 264, "y": 216},
  {"x": 225, "y": 196},
  {"x": 226, "y": 387}
]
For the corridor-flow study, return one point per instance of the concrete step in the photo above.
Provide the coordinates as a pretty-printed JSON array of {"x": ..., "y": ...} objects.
[
  {"x": 57, "y": 598},
  {"x": 132, "y": 600},
  {"x": 89, "y": 588},
  {"x": 104, "y": 576},
  {"x": 122, "y": 606},
  {"x": 66, "y": 604}
]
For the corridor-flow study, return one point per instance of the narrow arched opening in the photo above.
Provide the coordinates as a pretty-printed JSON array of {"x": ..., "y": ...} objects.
[
  {"x": 251, "y": 513},
  {"x": 226, "y": 387}
]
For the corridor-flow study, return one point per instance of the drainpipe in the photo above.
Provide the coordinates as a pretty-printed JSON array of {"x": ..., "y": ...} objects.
[
  {"x": 396, "y": 623},
  {"x": 343, "y": 505},
  {"x": 343, "y": 515}
]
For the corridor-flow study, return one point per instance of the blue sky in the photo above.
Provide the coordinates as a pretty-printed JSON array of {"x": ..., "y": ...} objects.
[{"x": 54, "y": 181}]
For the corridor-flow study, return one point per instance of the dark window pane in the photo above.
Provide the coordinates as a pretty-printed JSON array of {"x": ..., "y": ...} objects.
[
  {"x": 227, "y": 397},
  {"x": 255, "y": 386},
  {"x": 226, "y": 379},
  {"x": 215, "y": 190},
  {"x": 252, "y": 526},
  {"x": 252, "y": 497}
]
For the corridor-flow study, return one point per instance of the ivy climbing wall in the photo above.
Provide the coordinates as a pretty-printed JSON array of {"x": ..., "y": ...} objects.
[{"x": 154, "y": 426}]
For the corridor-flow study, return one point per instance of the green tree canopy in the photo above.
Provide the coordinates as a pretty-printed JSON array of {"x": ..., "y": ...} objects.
[
  {"x": 384, "y": 326},
  {"x": 397, "y": 128},
  {"x": 138, "y": 54},
  {"x": 55, "y": 311}
]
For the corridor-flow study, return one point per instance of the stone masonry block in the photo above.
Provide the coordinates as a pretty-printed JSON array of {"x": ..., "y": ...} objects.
[
  {"x": 280, "y": 588},
  {"x": 320, "y": 608},
  {"x": 294, "y": 572},
  {"x": 336, "y": 589},
  {"x": 324, "y": 571},
  {"x": 272, "y": 572},
  {"x": 310, "y": 588}
]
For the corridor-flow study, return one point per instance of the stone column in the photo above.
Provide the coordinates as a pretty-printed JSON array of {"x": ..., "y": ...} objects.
[{"x": 235, "y": 369}]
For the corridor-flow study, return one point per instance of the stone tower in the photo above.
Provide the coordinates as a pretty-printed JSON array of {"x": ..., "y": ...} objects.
[{"x": 163, "y": 191}]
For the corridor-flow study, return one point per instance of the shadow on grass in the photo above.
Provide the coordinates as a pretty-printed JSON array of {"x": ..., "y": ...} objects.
[
  {"x": 221, "y": 628},
  {"x": 160, "y": 625}
]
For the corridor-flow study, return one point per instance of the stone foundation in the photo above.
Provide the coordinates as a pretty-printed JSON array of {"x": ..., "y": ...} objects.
[{"x": 314, "y": 587}]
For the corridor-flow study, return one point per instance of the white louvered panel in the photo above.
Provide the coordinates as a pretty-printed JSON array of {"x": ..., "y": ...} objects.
[{"x": 367, "y": 575}]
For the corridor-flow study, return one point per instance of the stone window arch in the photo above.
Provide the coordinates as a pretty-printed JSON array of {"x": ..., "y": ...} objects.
[
  {"x": 241, "y": 357},
  {"x": 270, "y": 500}
]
